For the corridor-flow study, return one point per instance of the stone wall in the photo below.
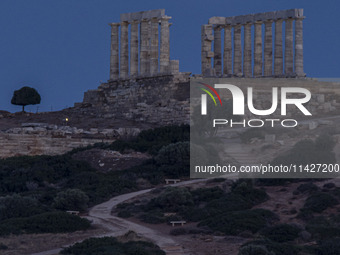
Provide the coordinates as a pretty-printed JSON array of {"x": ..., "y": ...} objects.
[
  {"x": 162, "y": 99},
  {"x": 44, "y": 139}
]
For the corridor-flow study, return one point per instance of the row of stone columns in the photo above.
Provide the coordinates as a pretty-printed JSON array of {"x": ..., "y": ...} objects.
[
  {"x": 147, "y": 61},
  {"x": 262, "y": 63}
]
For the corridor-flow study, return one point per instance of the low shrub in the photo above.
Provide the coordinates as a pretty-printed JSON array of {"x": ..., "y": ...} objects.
[
  {"x": 174, "y": 159},
  {"x": 233, "y": 223},
  {"x": 16, "y": 206},
  {"x": 322, "y": 228},
  {"x": 3, "y": 246},
  {"x": 329, "y": 247},
  {"x": 248, "y": 192},
  {"x": 254, "y": 250},
  {"x": 281, "y": 233},
  {"x": 319, "y": 202},
  {"x": 71, "y": 199},
  {"x": 276, "y": 248},
  {"x": 152, "y": 218},
  {"x": 172, "y": 199},
  {"x": 53, "y": 222},
  {"x": 110, "y": 245},
  {"x": 307, "y": 187},
  {"x": 124, "y": 214},
  {"x": 178, "y": 231}
]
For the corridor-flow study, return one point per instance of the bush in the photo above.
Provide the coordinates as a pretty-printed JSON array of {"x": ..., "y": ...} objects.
[
  {"x": 207, "y": 194},
  {"x": 53, "y": 222},
  {"x": 228, "y": 202},
  {"x": 323, "y": 228},
  {"x": 329, "y": 247},
  {"x": 319, "y": 202},
  {"x": 178, "y": 231},
  {"x": 17, "y": 206},
  {"x": 254, "y": 250},
  {"x": 233, "y": 223},
  {"x": 152, "y": 218},
  {"x": 281, "y": 233},
  {"x": 329, "y": 185},
  {"x": 172, "y": 199},
  {"x": 153, "y": 140},
  {"x": 174, "y": 159},
  {"x": 110, "y": 245},
  {"x": 277, "y": 248},
  {"x": 3, "y": 247},
  {"x": 124, "y": 214},
  {"x": 307, "y": 187},
  {"x": 248, "y": 192},
  {"x": 71, "y": 199}
]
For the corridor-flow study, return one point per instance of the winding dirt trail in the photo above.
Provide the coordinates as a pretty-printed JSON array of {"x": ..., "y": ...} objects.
[{"x": 101, "y": 215}]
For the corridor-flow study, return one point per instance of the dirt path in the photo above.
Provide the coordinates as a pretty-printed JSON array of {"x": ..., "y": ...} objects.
[{"x": 101, "y": 215}]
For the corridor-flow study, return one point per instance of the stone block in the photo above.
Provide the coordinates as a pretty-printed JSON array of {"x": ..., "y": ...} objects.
[
  {"x": 217, "y": 21},
  {"x": 131, "y": 16}
]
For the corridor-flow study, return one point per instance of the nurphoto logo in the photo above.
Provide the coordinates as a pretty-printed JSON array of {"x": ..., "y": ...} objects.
[{"x": 238, "y": 105}]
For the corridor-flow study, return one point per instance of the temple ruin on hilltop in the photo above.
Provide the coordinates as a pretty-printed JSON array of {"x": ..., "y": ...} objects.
[
  {"x": 146, "y": 86},
  {"x": 150, "y": 60},
  {"x": 253, "y": 66}
]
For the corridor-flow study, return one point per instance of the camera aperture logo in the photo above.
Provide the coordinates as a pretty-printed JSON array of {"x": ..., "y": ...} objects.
[{"x": 238, "y": 105}]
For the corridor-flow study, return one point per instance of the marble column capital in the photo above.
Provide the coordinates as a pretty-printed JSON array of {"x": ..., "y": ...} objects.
[
  {"x": 268, "y": 22},
  {"x": 114, "y": 24},
  {"x": 217, "y": 28},
  {"x": 237, "y": 25},
  {"x": 165, "y": 17},
  {"x": 300, "y": 18}
]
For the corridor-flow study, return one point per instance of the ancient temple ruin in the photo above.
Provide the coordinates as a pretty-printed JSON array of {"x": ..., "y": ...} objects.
[
  {"x": 144, "y": 57},
  {"x": 146, "y": 86},
  {"x": 254, "y": 57}
]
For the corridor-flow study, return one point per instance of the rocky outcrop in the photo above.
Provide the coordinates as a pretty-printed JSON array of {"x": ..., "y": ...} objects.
[{"x": 42, "y": 138}]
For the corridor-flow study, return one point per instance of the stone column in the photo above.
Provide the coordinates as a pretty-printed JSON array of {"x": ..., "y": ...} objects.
[
  {"x": 299, "y": 48},
  {"x": 144, "y": 51},
  {"x": 134, "y": 48},
  {"x": 237, "y": 50},
  {"x": 165, "y": 45},
  {"x": 268, "y": 49},
  {"x": 124, "y": 50},
  {"x": 114, "y": 58},
  {"x": 258, "y": 49},
  {"x": 227, "y": 52},
  {"x": 217, "y": 51},
  {"x": 278, "y": 55},
  {"x": 289, "y": 51},
  {"x": 206, "y": 53},
  {"x": 154, "y": 46},
  {"x": 247, "y": 65}
]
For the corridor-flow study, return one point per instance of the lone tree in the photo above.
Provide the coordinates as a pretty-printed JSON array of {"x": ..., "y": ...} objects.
[{"x": 25, "y": 96}]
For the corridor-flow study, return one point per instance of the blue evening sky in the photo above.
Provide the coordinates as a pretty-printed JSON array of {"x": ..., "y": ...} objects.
[{"x": 62, "y": 47}]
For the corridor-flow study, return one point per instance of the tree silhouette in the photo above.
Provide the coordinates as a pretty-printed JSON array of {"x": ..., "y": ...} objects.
[{"x": 25, "y": 96}]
